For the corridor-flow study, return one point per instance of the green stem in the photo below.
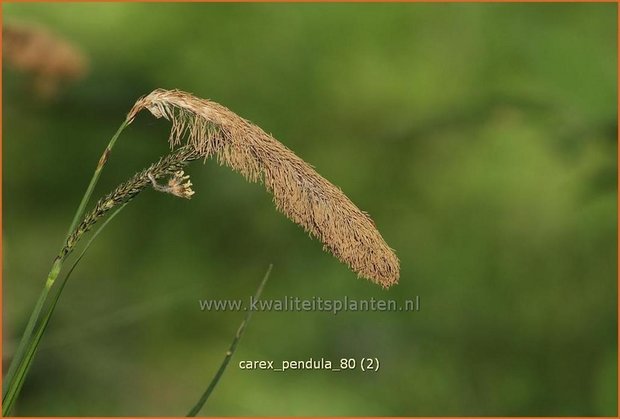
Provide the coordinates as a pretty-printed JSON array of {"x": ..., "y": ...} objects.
[
  {"x": 36, "y": 312},
  {"x": 93, "y": 182},
  {"x": 233, "y": 347},
  {"x": 29, "y": 350},
  {"x": 25, "y": 341}
]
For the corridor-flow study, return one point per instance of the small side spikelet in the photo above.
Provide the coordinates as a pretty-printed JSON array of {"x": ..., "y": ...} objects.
[
  {"x": 178, "y": 185},
  {"x": 298, "y": 190}
]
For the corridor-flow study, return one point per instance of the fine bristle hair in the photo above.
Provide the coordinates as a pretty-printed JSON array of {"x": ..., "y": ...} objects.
[{"x": 298, "y": 190}]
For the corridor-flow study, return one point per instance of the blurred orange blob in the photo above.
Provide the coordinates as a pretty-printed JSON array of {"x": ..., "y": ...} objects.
[{"x": 50, "y": 61}]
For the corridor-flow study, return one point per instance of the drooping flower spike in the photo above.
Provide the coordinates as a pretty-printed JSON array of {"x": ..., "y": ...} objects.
[{"x": 298, "y": 190}]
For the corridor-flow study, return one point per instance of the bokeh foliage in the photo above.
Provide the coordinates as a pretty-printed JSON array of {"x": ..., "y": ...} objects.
[{"x": 480, "y": 137}]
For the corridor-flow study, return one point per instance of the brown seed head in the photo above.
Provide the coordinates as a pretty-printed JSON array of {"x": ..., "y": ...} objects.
[{"x": 298, "y": 190}]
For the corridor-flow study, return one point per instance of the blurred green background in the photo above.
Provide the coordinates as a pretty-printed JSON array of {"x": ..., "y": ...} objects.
[{"x": 480, "y": 137}]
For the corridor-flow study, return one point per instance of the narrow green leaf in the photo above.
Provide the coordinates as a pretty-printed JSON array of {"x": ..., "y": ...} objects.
[
  {"x": 233, "y": 347},
  {"x": 15, "y": 386},
  {"x": 35, "y": 316}
]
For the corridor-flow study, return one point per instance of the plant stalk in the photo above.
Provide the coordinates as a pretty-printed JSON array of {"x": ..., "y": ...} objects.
[
  {"x": 231, "y": 350},
  {"x": 33, "y": 343},
  {"x": 93, "y": 182},
  {"x": 11, "y": 388}
]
